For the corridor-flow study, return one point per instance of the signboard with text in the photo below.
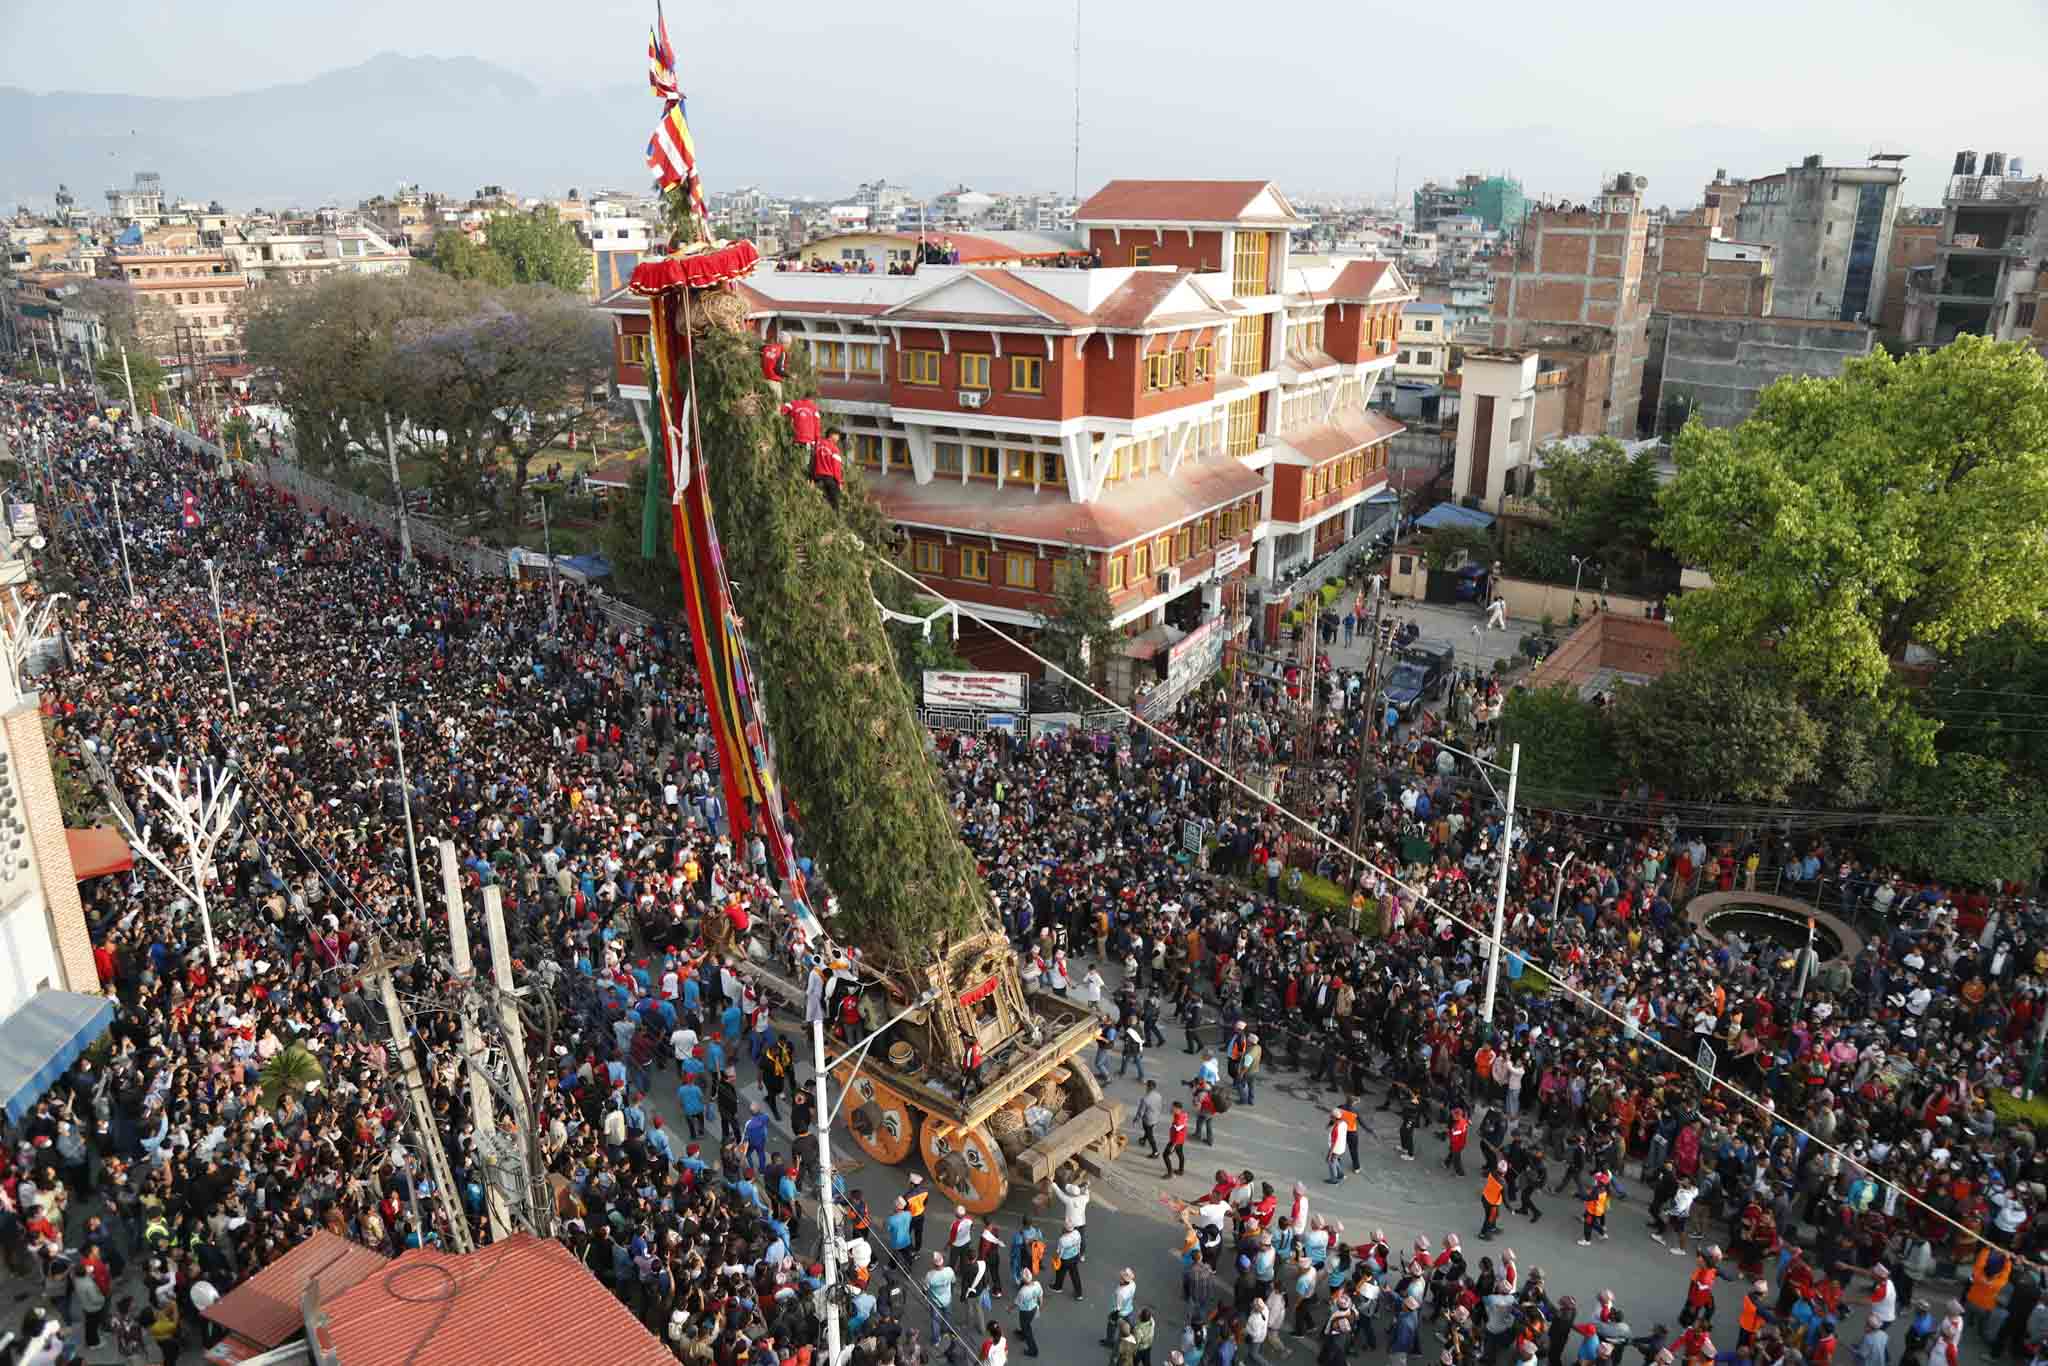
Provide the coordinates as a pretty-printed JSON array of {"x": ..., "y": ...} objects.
[
  {"x": 991, "y": 692},
  {"x": 1228, "y": 558}
]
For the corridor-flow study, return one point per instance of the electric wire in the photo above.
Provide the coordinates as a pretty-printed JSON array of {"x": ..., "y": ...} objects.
[{"x": 1422, "y": 898}]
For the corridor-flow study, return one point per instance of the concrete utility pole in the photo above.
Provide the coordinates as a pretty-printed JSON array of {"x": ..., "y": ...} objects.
[
  {"x": 420, "y": 1114},
  {"x": 398, "y": 492},
  {"x": 1500, "y": 890},
  {"x": 220, "y": 622},
  {"x": 483, "y": 1109},
  {"x": 1368, "y": 778},
  {"x": 121, "y": 533},
  {"x": 412, "y": 848},
  {"x": 541, "y": 1208}
]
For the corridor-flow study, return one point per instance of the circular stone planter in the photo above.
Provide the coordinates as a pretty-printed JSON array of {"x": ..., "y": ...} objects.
[{"x": 1789, "y": 912}]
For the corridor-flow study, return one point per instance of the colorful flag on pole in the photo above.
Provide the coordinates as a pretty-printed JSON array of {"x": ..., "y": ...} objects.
[
  {"x": 671, "y": 152},
  {"x": 661, "y": 59},
  {"x": 190, "y": 516},
  {"x": 672, "y": 156}
]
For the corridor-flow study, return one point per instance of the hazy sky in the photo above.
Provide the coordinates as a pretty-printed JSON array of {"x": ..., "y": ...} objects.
[{"x": 1320, "y": 96}]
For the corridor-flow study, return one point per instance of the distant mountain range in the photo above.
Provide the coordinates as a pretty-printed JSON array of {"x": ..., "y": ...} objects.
[{"x": 450, "y": 124}]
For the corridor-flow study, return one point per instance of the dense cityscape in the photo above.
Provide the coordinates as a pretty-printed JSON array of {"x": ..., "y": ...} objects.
[{"x": 632, "y": 775}]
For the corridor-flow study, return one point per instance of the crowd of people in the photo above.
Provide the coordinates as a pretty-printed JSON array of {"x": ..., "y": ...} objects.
[{"x": 568, "y": 762}]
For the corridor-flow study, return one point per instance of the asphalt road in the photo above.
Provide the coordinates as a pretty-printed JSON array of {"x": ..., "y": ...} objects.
[{"x": 1132, "y": 1222}]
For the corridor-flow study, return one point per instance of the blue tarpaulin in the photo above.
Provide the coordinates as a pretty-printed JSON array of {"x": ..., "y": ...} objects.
[
  {"x": 1450, "y": 514},
  {"x": 589, "y": 566},
  {"x": 40, "y": 1040}
]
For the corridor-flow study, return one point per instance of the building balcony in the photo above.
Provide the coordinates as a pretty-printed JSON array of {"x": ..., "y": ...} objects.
[
  {"x": 1525, "y": 508},
  {"x": 1996, "y": 190},
  {"x": 1983, "y": 287}
]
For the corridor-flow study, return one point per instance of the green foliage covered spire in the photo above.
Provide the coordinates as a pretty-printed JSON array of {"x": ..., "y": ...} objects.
[{"x": 848, "y": 746}]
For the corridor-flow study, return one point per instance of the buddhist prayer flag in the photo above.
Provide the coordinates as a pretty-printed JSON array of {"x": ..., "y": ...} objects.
[{"x": 671, "y": 152}]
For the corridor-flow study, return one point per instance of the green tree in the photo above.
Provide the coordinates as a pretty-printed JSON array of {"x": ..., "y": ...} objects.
[
  {"x": 1567, "y": 745},
  {"x": 1988, "y": 698},
  {"x": 1899, "y": 502},
  {"x": 1604, "y": 501},
  {"x": 460, "y": 257},
  {"x": 538, "y": 248},
  {"x": 652, "y": 584},
  {"x": 535, "y": 248},
  {"x": 1966, "y": 819},
  {"x": 1076, "y": 634},
  {"x": 1450, "y": 545},
  {"x": 144, "y": 370},
  {"x": 290, "y": 1071},
  {"x": 1720, "y": 730}
]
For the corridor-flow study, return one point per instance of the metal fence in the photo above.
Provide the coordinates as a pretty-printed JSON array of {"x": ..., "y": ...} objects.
[{"x": 465, "y": 553}]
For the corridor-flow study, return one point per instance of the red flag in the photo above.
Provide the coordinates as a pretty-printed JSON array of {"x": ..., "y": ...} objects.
[{"x": 191, "y": 513}]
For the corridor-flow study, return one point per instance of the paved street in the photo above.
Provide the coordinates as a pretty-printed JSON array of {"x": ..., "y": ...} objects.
[
  {"x": 1280, "y": 1140},
  {"x": 1451, "y": 626}
]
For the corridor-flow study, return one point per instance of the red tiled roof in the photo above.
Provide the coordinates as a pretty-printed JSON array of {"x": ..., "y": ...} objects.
[
  {"x": 1356, "y": 280},
  {"x": 523, "y": 1300},
  {"x": 757, "y": 302},
  {"x": 1133, "y": 302},
  {"x": 1125, "y": 512},
  {"x": 265, "y": 1308},
  {"x": 972, "y": 246},
  {"x": 1343, "y": 437},
  {"x": 1031, "y": 296},
  {"x": 1171, "y": 201}
]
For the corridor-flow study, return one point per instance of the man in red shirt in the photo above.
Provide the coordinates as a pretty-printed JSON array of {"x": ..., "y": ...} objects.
[
  {"x": 1461, "y": 1128},
  {"x": 804, "y": 421},
  {"x": 827, "y": 469},
  {"x": 1176, "y": 1140}
]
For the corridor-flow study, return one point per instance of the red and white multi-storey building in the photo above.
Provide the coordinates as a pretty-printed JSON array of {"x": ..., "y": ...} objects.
[{"x": 1191, "y": 411}]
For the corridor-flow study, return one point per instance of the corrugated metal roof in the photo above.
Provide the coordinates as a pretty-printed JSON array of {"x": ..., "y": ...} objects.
[
  {"x": 523, "y": 1300},
  {"x": 265, "y": 1308}
]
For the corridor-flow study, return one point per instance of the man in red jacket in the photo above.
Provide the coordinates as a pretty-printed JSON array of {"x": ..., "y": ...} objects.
[
  {"x": 1461, "y": 1127},
  {"x": 1176, "y": 1140},
  {"x": 828, "y": 471}
]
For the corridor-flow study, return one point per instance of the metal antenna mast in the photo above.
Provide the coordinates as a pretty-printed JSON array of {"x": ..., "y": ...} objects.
[{"x": 1077, "y": 101}]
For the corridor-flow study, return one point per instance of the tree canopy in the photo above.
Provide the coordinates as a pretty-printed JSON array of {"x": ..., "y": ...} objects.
[
  {"x": 1604, "y": 501},
  {"x": 1728, "y": 729},
  {"x": 420, "y": 364},
  {"x": 1567, "y": 750},
  {"x": 1076, "y": 634},
  {"x": 1969, "y": 818},
  {"x": 535, "y": 248},
  {"x": 1900, "y": 502}
]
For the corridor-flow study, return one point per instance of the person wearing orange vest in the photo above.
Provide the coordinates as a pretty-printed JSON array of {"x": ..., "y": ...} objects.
[
  {"x": 915, "y": 1199},
  {"x": 1988, "y": 1276},
  {"x": 1754, "y": 1316},
  {"x": 1491, "y": 1193},
  {"x": 1596, "y": 1212}
]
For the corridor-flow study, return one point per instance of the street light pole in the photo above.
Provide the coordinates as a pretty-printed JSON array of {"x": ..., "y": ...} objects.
[
  {"x": 221, "y": 624},
  {"x": 1500, "y": 890},
  {"x": 121, "y": 531},
  {"x": 412, "y": 848},
  {"x": 828, "y": 1215},
  {"x": 1557, "y": 897}
]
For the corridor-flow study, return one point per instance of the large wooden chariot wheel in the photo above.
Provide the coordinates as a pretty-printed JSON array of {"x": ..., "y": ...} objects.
[
  {"x": 881, "y": 1121},
  {"x": 965, "y": 1165}
]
